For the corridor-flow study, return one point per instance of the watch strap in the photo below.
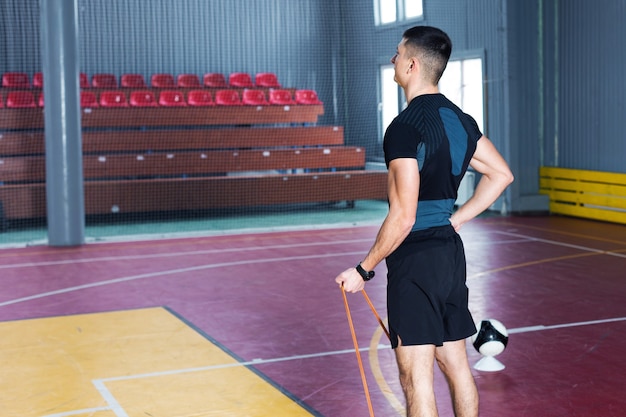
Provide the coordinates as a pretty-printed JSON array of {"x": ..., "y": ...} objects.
[{"x": 366, "y": 275}]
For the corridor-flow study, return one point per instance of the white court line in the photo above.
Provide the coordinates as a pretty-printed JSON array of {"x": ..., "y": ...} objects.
[
  {"x": 176, "y": 254},
  {"x": 260, "y": 361},
  {"x": 253, "y": 362},
  {"x": 169, "y": 272},
  {"x": 76, "y": 412},
  {"x": 215, "y": 251},
  {"x": 562, "y": 326},
  {"x": 567, "y": 245},
  {"x": 113, "y": 404},
  {"x": 109, "y": 398},
  {"x": 227, "y": 264}
]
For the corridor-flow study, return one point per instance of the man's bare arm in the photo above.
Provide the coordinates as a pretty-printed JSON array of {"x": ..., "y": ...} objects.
[
  {"x": 403, "y": 190},
  {"x": 496, "y": 176}
]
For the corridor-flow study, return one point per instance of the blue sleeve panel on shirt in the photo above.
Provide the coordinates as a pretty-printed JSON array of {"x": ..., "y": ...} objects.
[{"x": 457, "y": 138}]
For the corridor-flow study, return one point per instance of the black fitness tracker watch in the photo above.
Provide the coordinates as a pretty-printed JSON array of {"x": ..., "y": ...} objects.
[{"x": 366, "y": 275}]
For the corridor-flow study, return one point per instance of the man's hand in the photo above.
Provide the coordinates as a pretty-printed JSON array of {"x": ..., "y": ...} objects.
[
  {"x": 455, "y": 224},
  {"x": 351, "y": 280}
]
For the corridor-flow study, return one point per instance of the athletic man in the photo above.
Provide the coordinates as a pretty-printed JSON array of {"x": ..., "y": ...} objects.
[{"x": 428, "y": 148}]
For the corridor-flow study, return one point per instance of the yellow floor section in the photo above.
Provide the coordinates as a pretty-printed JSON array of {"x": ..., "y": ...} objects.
[{"x": 126, "y": 364}]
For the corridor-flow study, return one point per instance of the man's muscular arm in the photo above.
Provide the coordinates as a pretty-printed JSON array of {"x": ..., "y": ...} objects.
[
  {"x": 403, "y": 190},
  {"x": 496, "y": 176}
]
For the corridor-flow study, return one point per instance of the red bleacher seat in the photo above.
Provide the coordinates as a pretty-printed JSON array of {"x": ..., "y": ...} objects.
[
  {"x": 113, "y": 99},
  {"x": 88, "y": 99},
  {"x": 162, "y": 81},
  {"x": 200, "y": 98},
  {"x": 38, "y": 80},
  {"x": 15, "y": 80},
  {"x": 84, "y": 80},
  {"x": 133, "y": 81},
  {"x": 215, "y": 79},
  {"x": 240, "y": 79},
  {"x": 281, "y": 97},
  {"x": 104, "y": 81},
  {"x": 188, "y": 80},
  {"x": 170, "y": 98},
  {"x": 142, "y": 98},
  {"x": 254, "y": 98},
  {"x": 20, "y": 99},
  {"x": 266, "y": 79},
  {"x": 227, "y": 98},
  {"x": 307, "y": 97},
  {"x": 40, "y": 100}
]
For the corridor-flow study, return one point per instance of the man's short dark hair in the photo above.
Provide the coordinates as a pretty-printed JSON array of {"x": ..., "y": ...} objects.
[{"x": 432, "y": 47}]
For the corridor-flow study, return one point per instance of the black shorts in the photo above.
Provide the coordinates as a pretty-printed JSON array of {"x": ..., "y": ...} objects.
[{"x": 426, "y": 292}]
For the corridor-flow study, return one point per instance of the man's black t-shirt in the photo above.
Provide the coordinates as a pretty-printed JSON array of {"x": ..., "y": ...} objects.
[{"x": 442, "y": 139}]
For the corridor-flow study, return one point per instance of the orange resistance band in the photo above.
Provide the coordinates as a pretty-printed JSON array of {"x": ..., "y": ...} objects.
[
  {"x": 369, "y": 302},
  {"x": 358, "y": 353}
]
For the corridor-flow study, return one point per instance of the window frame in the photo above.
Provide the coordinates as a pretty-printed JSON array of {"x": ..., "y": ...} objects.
[{"x": 401, "y": 17}]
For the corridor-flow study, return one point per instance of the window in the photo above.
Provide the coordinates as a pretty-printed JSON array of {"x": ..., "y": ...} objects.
[
  {"x": 390, "y": 11},
  {"x": 462, "y": 83},
  {"x": 413, "y": 9},
  {"x": 389, "y": 105}
]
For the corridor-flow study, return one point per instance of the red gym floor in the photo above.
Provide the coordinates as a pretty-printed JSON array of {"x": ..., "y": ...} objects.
[{"x": 266, "y": 305}]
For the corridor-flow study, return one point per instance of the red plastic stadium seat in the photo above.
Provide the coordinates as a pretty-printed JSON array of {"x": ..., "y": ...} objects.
[
  {"x": 266, "y": 79},
  {"x": 254, "y": 98},
  {"x": 38, "y": 80},
  {"x": 88, "y": 99},
  {"x": 15, "y": 80},
  {"x": 171, "y": 98},
  {"x": 84, "y": 80},
  {"x": 188, "y": 80},
  {"x": 214, "y": 79},
  {"x": 113, "y": 99},
  {"x": 162, "y": 81},
  {"x": 142, "y": 98},
  {"x": 133, "y": 81},
  {"x": 20, "y": 99},
  {"x": 104, "y": 81},
  {"x": 281, "y": 97},
  {"x": 200, "y": 98},
  {"x": 227, "y": 98},
  {"x": 40, "y": 100},
  {"x": 240, "y": 79},
  {"x": 307, "y": 97}
]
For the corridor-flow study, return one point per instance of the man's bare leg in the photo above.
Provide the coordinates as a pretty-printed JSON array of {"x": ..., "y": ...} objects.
[
  {"x": 453, "y": 362},
  {"x": 416, "y": 365}
]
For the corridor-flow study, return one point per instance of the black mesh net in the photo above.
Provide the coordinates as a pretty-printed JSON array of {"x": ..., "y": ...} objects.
[{"x": 196, "y": 116}]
